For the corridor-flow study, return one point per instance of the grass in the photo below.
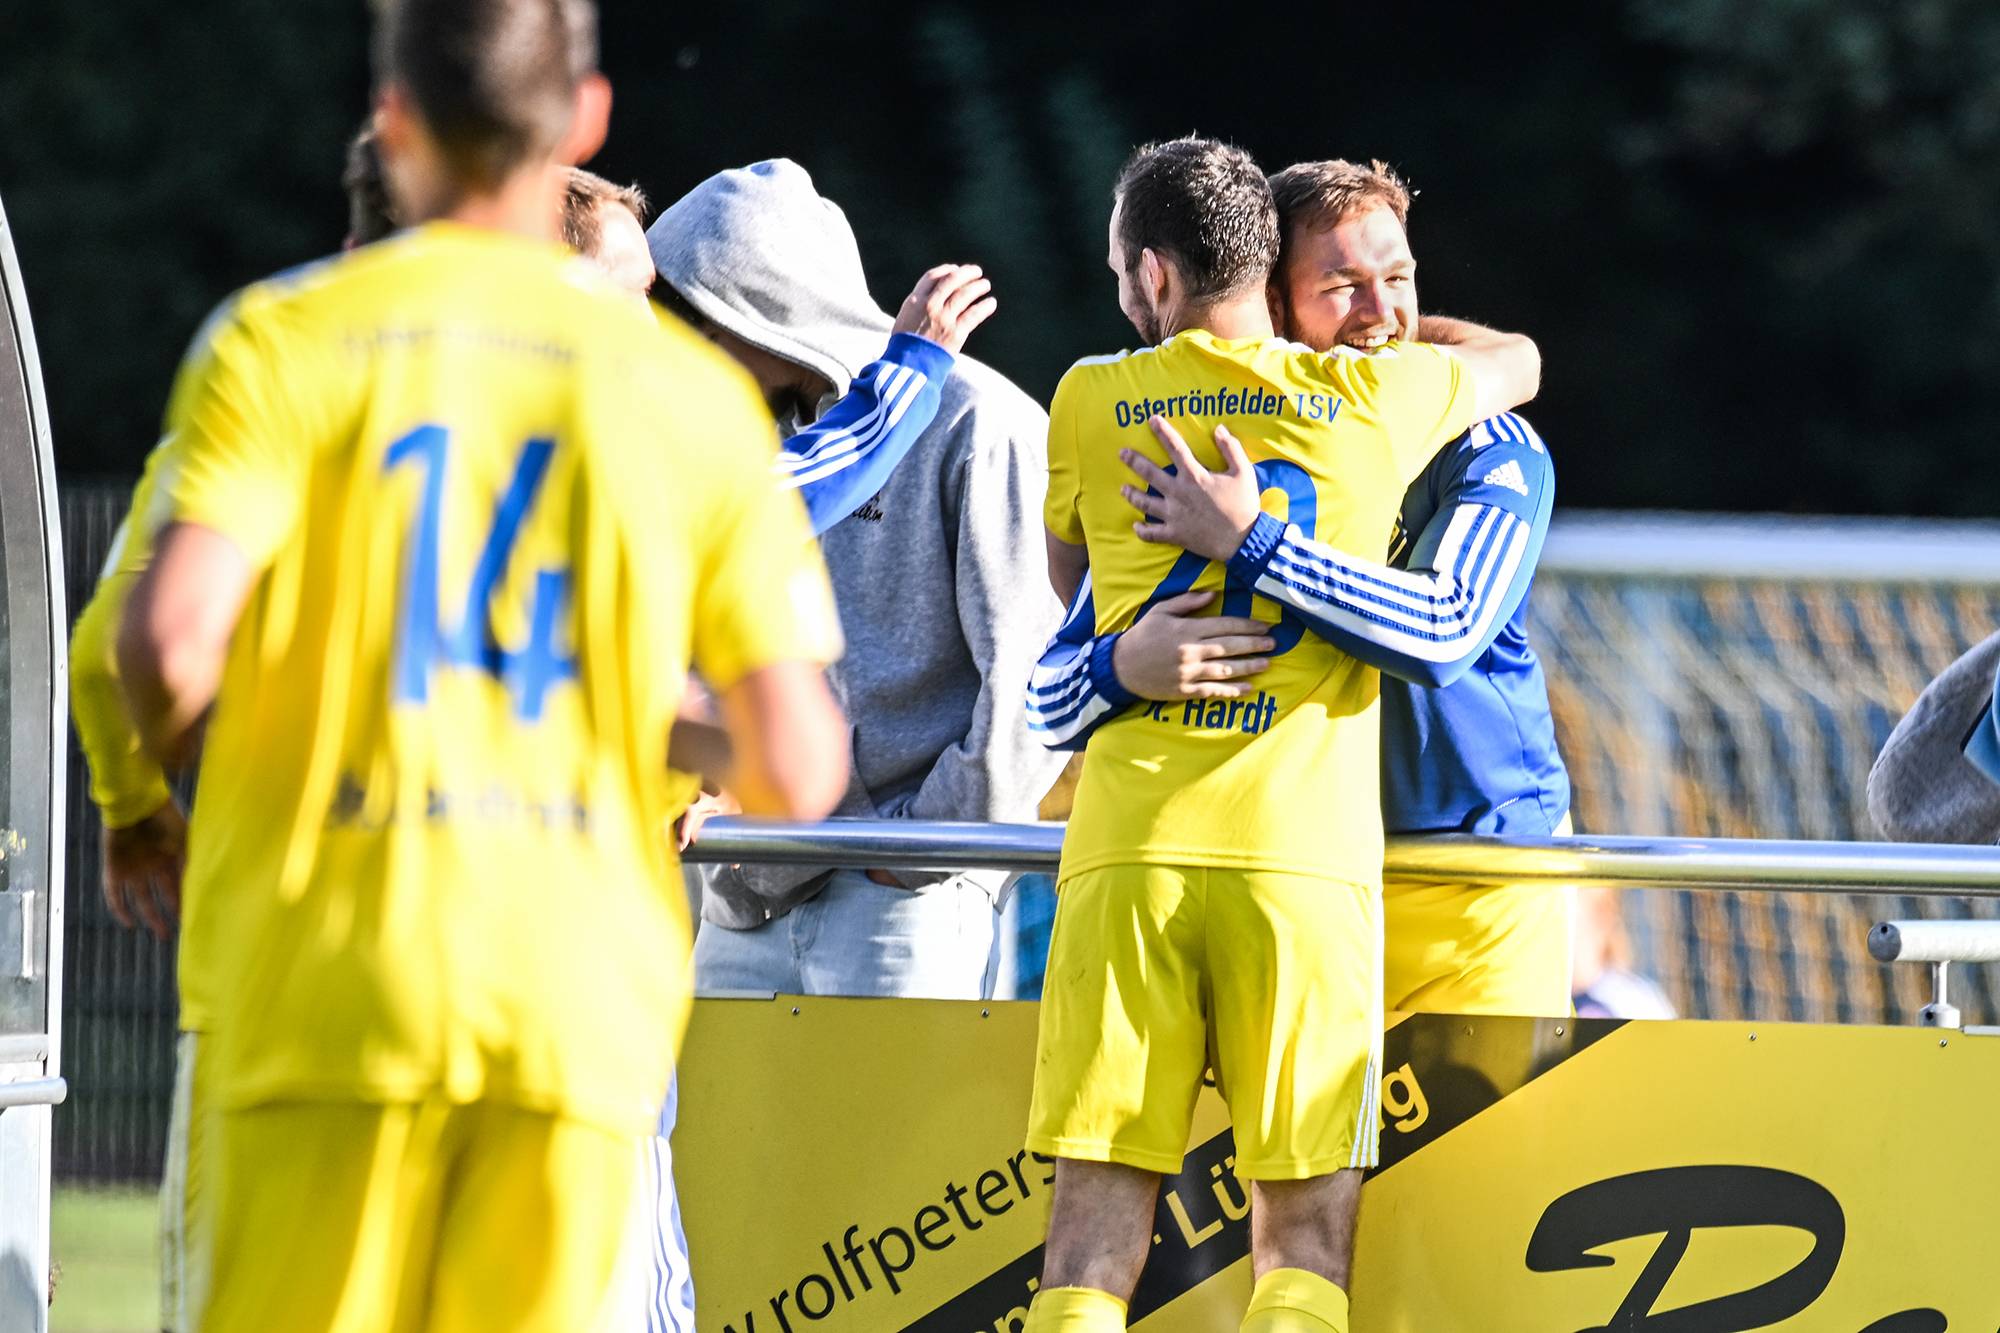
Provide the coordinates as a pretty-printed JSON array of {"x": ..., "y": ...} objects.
[{"x": 106, "y": 1242}]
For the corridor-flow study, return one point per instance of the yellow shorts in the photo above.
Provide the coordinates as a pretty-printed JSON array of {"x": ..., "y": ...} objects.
[
  {"x": 1157, "y": 972},
  {"x": 1487, "y": 949},
  {"x": 339, "y": 1216}
]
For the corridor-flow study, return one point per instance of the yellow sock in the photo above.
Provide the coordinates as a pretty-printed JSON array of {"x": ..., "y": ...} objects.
[
  {"x": 1291, "y": 1300},
  {"x": 1075, "y": 1310}
]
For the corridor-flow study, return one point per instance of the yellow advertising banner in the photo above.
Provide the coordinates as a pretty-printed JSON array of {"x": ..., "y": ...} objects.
[{"x": 851, "y": 1165}]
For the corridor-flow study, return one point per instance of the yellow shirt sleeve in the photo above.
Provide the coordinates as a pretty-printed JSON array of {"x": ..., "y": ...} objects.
[
  {"x": 1059, "y": 509},
  {"x": 243, "y": 462},
  {"x": 125, "y": 784},
  {"x": 1419, "y": 392},
  {"x": 763, "y": 596}
]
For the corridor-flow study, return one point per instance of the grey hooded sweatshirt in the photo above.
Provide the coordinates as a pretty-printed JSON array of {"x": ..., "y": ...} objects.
[
  {"x": 941, "y": 579},
  {"x": 1923, "y": 788}
]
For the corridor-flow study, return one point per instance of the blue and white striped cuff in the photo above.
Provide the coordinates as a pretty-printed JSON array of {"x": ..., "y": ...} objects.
[
  {"x": 1253, "y": 557},
  {"x": 1103, "y": 677}
]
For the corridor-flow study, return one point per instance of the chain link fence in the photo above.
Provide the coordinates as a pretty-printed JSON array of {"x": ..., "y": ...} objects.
[
  {"x": 119, "y": 1002},
  {"x": 1735, "y": 678}
]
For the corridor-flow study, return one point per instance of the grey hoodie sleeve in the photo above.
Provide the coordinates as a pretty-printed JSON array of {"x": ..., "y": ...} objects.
[
  {"x": 1922, "y": 788},
  {"x": 1006, "y": 610}
]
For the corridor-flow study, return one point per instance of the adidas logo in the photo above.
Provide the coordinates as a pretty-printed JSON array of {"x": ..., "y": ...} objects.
[{"x": 1508, "y": 474}]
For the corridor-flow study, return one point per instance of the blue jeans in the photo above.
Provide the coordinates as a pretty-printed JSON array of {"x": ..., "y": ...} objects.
[{"x": 857, "y": 937}]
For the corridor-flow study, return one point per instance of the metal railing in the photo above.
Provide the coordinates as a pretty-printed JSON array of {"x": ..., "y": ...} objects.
[
  {"x": 1910, "y": 870},
  {"x": 1940, "y": 944},
  {"x": 1737, "y": 864}
]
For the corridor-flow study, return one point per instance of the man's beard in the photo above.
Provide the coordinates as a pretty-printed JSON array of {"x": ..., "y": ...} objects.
[{"x": 1150, "y": 327}]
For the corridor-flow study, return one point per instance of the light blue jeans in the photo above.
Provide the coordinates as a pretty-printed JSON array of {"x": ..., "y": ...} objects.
[{"x": 857, "y": 937}]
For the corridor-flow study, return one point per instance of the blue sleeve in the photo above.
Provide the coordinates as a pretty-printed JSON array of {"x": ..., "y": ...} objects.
[
  {"x": 1468, "y": 569},
  {"x": 842, "y": 459},
  {"x": 1073, "y": 690}
]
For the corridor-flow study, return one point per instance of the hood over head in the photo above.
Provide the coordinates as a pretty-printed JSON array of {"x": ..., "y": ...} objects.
[{"x": 757, "y": 250}]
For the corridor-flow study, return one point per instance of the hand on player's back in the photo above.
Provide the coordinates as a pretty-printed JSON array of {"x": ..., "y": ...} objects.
[
  {"x": 1209, "y": 513},
  {"x": 947, "y": 304},
  {"x": 142, "y": 869},
  {"x": 1173, "y": 653}
]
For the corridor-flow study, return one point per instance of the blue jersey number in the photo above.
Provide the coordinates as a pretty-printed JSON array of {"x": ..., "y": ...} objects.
[
  {"x": 424, "y": 644},
  {"x": 1301, "y": 507}
]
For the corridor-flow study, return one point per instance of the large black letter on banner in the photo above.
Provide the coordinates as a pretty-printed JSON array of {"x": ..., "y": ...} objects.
[{"x": 1674, "y": 1201}]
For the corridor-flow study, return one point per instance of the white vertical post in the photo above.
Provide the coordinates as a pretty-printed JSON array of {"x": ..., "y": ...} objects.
[{"x": 34, "y": 719}]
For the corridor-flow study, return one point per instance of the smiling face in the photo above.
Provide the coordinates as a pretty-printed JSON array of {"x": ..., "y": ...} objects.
[{"x": 1352, "y": 284}]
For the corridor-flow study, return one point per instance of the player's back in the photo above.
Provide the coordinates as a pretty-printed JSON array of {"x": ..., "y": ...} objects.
[
  {"x": 1246, "y": 783},
  {"x": 483, "y": 488}
]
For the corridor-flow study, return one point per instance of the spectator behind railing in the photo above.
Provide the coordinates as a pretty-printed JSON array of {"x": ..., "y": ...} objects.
[
  {"x": 1923, "y": 787},
  {"x": 941, "y": 595}
]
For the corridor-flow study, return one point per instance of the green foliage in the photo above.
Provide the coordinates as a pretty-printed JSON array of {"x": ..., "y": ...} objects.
[
  {"x": 1845, "y": 156},
  {"x": 1751, "y": 235},
  {"x": 155, "y": 157}
]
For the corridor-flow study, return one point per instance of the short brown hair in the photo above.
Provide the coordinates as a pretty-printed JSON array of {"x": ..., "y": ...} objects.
[
  {"x": 1310, "y": 194},
  {"x": 370, "y": 213},
  {"x": 494, "y": 80},
  {"x": 1205, "y": 204},
  {"x": 584, "y": 192}
]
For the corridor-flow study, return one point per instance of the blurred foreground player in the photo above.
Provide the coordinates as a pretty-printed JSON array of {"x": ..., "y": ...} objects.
[
  {"x": 1219, "y": 897},
  {"x": 144, "y": 839},
  {"x": 144, "y": 828},
  {"x": 449, "y": 518},
  {"x": 1468, "y": 740}
]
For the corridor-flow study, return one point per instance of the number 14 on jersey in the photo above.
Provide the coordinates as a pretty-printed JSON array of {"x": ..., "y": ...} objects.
[{"x": 425, "y": 643}]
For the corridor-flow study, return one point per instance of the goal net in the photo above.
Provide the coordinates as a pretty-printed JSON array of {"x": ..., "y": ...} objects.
[{"x": 1735, "y": 677}]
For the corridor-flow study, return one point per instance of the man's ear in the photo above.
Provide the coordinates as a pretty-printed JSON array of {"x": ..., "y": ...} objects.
[
  {"x": 1274, "y": 297},
  {"x": 395, "y": 119},
  {"x": 589, "y": 122},
  {"x": 403, "y": 144},
  {"x": 1154, "y": 276}
]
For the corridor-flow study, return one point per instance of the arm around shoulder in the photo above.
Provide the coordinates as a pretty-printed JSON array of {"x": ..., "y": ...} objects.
[{"x": 1505, "y": 368}]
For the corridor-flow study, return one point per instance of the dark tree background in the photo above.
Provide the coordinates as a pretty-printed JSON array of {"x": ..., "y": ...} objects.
[{"x": 1754, "y": 237}]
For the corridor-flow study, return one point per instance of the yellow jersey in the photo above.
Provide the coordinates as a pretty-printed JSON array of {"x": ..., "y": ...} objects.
[
  {"x": 496, "y": 507},
  {"x": 126, "y": 783},
  {"x": 1286, "y": 779}
]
